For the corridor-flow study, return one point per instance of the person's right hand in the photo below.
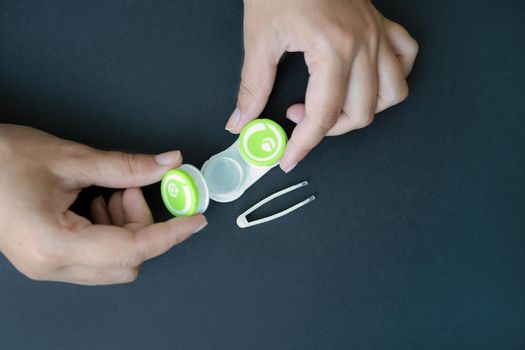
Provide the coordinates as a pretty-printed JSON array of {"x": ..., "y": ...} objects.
[
  {"x": 357, "y": 60},
  {"x": 41, "y": 176}
]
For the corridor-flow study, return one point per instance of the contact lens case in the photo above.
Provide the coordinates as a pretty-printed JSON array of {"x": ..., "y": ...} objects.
[{"x": 224, "y": 177}]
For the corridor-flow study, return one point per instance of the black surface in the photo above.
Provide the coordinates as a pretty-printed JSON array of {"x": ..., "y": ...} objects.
[{"x": 416, "y": 240}]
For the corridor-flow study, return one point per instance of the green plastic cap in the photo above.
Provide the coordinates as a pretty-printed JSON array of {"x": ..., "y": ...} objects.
[
  {"x": 262, "y": 142},
  {"x": 179, "y": 193}
]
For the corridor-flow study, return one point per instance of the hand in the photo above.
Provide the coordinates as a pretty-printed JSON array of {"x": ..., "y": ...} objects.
[
  {"x": 357, "y": 59},
  {"x": 40, "y": 178}
]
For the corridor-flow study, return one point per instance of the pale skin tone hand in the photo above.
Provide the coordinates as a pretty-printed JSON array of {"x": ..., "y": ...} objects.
[
  {"x": 41, "y": 177},
  {"x": 357, "y": 59}
]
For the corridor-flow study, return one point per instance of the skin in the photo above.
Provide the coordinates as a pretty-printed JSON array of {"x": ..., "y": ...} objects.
[
  {"x": 41, "y": 177},
  {"x": 357, "y": 60}
]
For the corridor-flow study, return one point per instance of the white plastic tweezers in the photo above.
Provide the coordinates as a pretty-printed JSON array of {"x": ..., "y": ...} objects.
[{"x": 243, "y": 222}]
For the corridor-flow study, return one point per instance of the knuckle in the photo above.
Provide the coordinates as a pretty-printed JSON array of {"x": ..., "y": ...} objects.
[
  {"x": 343, "y": 43},
  {"x": 135, "y": 257},
  {"x": 324, "y": 123},
  {"x": 128, "y": 163},
  {"x": 69, "y": 149},
  {"x": 349, "y": 36},
  {"x": 337, "y": 44},
  {"x": 401, "y": 93},
  {"x": 135, "y": 254},
  {"x": 340, "y": 41},
  {"x": 249, "y": 92},
  {"x": 412, "y": 48},
  {"x": 108, "y": 276},
  {"x": 364, "y": 121},
  {"x": 370, "y": 31},
  {"x": 177, "y": 239},
  {"x": 95, "y": 278},
  {"x": 301, "y": 147},
  {"x": 177, "y": 236},
  {"x": 131, "y": 260},
  {"x": 44, "y": 255},
  {"x": 246, "y": 88},
  {"x": 411, "y": 45},
  {"x": 132, "y": 275},
  {"x": 127, "y": 276},
  {"x": 396, "y": 95},
  {"x": 395, "y": 27},
  {"x": 68, "y": 158}
]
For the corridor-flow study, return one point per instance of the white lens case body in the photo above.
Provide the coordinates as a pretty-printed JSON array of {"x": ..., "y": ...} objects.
[{"x": 228, "y": 175}]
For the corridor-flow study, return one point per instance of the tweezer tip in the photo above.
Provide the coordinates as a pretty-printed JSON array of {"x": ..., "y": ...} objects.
[{"x": 241, "y": 221}]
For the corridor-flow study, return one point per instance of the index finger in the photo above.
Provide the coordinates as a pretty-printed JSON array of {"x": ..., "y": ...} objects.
[
  {"x": 113, "y": 246},
  {"x": 325, "y": 94}
]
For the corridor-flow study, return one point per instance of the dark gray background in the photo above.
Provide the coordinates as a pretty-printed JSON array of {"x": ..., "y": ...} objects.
[{"x": 416, "y": 240}]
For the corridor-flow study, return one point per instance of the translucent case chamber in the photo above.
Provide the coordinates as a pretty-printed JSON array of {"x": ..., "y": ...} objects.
[{"x": 228, "y": 174}]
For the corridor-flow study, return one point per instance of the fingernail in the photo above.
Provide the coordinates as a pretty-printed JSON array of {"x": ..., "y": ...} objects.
[
  {"x": 234, "y": 120},
  {"x": 167, "y": 158},
  {"x": 288, "y": 168},
  {"x": 200, "y": 227}
]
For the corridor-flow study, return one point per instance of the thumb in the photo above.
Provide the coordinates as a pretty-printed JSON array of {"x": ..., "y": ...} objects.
[
  {"x": 257, "y": 79},
  {"x": 122, "y": 170}
]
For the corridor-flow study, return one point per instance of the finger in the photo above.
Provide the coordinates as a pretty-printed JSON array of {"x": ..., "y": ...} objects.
[
  {"x": 393, "y": 87},
  {"x": 295, "y": 112},
  {"x": 117, "y": 169},
  {"x": 99, "y": 211},
  {"x": 361, "y": 99},
  {"x": 112, "y": 246},
  {"x": 116, "y": 209},
  {"x": 324, "y": 97},
  {"x": 137, "y": 214},
  {"x": 405, "y": 47},
  {"x": 257, "y": 79},
  {"x": 90, "y": 276},
  {"x": 156, "y": 239}
]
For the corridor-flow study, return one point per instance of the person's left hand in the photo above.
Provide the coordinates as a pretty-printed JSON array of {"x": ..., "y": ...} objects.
[{"x": 41, "y": 176}]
